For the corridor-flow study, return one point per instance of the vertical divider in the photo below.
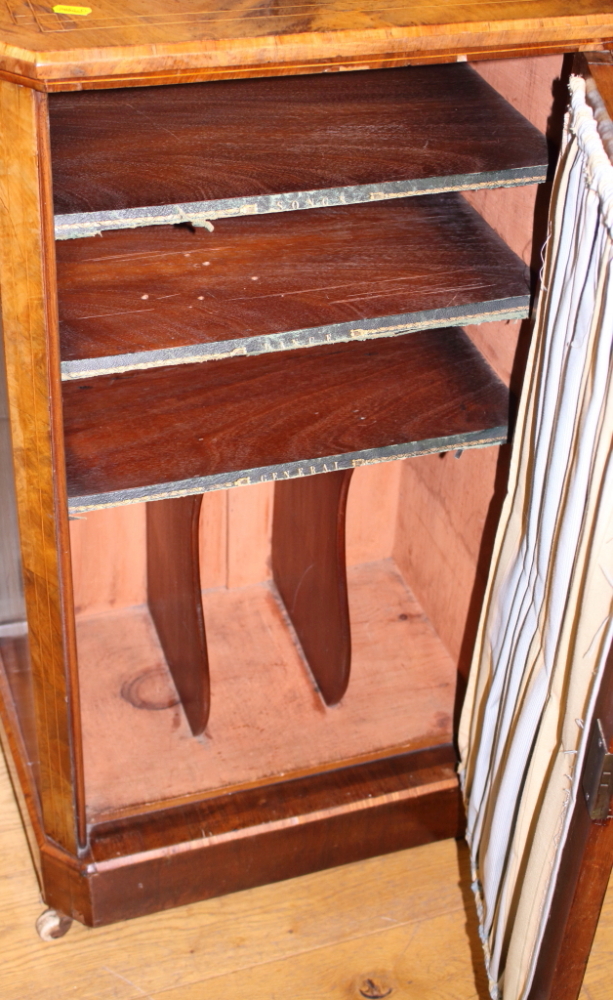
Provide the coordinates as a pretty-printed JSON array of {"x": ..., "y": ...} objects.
[
  {"x": 175, "y": 600},
  {"x": 309, "y": 568}
]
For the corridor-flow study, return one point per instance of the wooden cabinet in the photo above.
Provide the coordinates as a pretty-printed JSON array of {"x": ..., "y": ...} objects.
[{"x": 276, "y": 284}]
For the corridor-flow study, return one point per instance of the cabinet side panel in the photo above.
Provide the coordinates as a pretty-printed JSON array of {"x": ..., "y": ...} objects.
[
  {"x": 447, "y": 513},
  {"x": 527, "y": 84},
  {"x": 449, "y": 509},
  {"x": 536, "y": 87},
  {"x": 14, "y": 646},
  {"x": 29, "y": 320}
]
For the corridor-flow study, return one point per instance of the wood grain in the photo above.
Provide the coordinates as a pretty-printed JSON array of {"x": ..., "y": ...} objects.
[
  {"x": 250, "y": 138},
  {"x": 409, "y": 964},
  {"x": 308, "y": 563},
  {"x": 128, "y": 43},
  {"x": 29, "y": 320},
  {"x": 600, "y": 68},
  {"x": 538, "y": 88},
  {"x": 183, "y": 948},
  {"x": 256, "y": 835},
  {"x": 166, "y": 426},
  {"x": 175, "y": 603},
  {"x": 165, "y": 295}
]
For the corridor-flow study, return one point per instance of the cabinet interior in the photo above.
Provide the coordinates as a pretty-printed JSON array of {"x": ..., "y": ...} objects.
[{"x": 287, "y": 371}]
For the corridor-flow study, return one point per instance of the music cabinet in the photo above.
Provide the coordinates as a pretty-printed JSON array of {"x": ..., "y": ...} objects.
[{"x": 220, "y": 267}]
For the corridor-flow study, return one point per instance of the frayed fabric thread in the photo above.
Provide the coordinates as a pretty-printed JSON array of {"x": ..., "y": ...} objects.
[{"x": 477, "y": 889}]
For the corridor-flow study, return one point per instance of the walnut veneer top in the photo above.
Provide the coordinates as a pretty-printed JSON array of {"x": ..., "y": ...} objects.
[{"x": 102, "y": 43}]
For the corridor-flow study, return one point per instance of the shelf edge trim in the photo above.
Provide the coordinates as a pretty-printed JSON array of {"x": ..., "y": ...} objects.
[
  {"x": 79, "y": 225},
  {"x": 289, "y": 470},
  {"x": 515, "y": 307}
]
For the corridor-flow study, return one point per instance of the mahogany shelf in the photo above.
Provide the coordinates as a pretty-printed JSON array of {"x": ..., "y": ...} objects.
[
  {"x": 167, "y": 295},
  {"x": 425, "y": 129},
  {"x": 192, "y": 428}
]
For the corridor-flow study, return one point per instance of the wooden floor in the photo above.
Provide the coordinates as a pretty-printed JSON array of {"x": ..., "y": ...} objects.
[{"x": 400, "y": 926}]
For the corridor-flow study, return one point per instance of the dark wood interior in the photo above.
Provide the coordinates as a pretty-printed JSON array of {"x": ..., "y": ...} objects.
[{"x": 173, "y": 597}]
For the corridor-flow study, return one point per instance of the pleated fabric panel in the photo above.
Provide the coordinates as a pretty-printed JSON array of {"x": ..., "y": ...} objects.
[{"x": 545, "y": 628}]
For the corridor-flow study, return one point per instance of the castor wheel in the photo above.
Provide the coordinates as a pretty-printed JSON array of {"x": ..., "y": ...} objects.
[{"x": 52, "y": 925}]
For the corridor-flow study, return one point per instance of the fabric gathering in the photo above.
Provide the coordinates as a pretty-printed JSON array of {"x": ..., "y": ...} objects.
[{"x": 546, "y": 625}]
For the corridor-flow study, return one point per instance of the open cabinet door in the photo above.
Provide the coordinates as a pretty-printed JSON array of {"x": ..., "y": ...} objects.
[
  {"x": 585, "y": 865},
  {"x": 537, "y": 728}
]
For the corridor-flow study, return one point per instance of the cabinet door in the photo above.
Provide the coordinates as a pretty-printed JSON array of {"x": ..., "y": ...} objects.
[
  {"x": 585, "y": 866},
  {"x": 537, "y": 729}
]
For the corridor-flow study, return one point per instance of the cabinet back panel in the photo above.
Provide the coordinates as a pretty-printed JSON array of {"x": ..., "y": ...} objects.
[{"x": 108, "y": 546}]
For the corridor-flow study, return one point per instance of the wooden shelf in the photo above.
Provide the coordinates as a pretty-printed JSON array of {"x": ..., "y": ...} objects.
[
  {"x": 258, "y": 146},
  {"x": 192, "y": 428},
  {"x": 163, "y": 296}
]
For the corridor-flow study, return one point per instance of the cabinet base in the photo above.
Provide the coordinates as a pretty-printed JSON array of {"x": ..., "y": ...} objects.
[{"x": 180, "y": 855}]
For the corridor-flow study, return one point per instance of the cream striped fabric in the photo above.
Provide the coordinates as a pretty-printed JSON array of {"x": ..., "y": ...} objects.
[{"x": 546, "y": 623}]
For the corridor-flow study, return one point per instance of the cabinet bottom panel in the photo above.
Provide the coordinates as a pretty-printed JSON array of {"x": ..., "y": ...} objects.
[
  {"x": 268, "y": 721},
  {"x": 279, "y": 785},
  {"x": 168, "y": 859}
]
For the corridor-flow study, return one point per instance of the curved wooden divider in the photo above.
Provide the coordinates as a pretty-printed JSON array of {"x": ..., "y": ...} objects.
[
  {"x": 175, "y": 602},
  {"x": 309, "y": 568}
]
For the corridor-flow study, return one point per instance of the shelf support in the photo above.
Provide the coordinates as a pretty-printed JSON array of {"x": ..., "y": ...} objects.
[
  {"x": 308, "y": 561},
  {"x": 175, "y": 602}
]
